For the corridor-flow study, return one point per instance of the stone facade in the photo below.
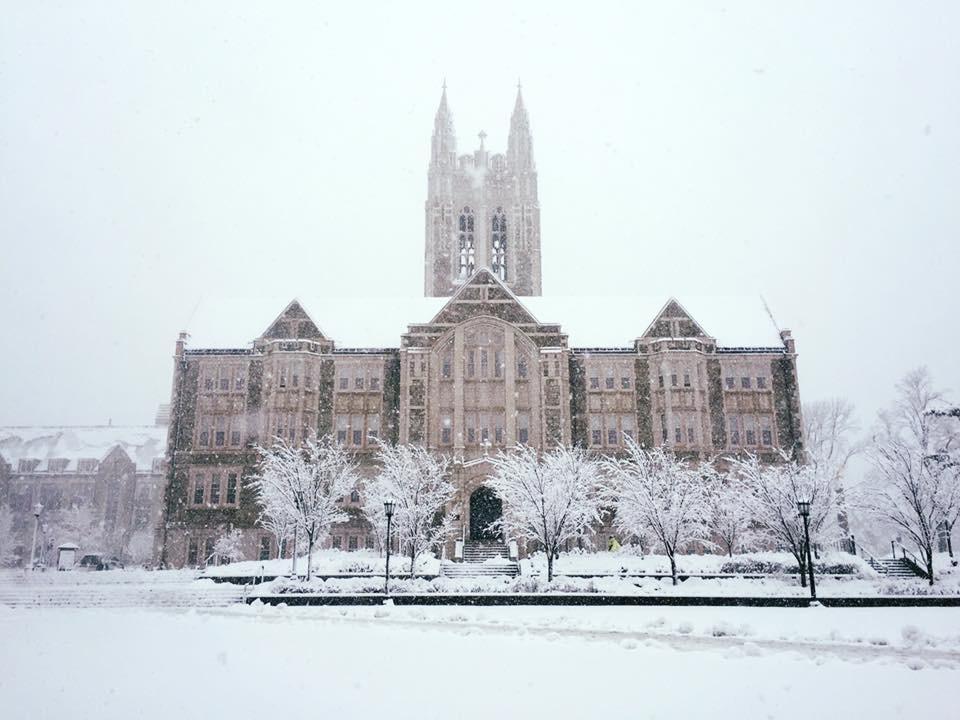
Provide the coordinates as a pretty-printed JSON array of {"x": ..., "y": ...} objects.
[
  {"x": 99, "y": 487},
  {"x": 481, "y": 374}
]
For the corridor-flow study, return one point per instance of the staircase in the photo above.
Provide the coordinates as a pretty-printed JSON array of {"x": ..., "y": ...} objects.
[
  {"x": 894, "y": 568},
  {"x": 114, "y": 589},
  {"x": 482, "y": 559}
]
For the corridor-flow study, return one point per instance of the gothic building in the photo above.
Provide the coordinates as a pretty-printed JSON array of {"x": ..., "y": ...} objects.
[{"x": 483, "y": 362}]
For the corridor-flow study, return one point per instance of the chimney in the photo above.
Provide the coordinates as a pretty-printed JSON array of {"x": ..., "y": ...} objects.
[
  {"x": 181, "y": 344},
  {"x": 788, "y": 342}
]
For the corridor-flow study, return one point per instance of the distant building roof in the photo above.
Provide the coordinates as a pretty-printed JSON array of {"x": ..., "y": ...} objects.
[
  {"x": 370, "y": 322},
  {"x": 142, "y": 443}
]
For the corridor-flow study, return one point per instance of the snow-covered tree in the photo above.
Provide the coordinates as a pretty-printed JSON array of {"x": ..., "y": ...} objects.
[
  {"x": 228, "y": 547},
  {"x": 78, "y": 524},
  {"x": 548, "y": 499},
  {"x": 656, "y": 492},
  {"x": 7, "y": 558},
  {"x": 914, "y": 486},
  {"x": 372, "y": 496},
  {"x": 140, "y": 547},
  {"x": 731, "y": 518},
  {"x": 417, "y": 482},
  {"x": 280, "y": 525},
  {"x": 829, "y": 431},
  {"x": 307, "y": 484},
  {"x": 773, "y": 491}
]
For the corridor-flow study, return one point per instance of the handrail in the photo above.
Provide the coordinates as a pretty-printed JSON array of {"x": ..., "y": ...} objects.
[
  {"x": 915, "y": 561},
  {"x": 867, "y": 555}
]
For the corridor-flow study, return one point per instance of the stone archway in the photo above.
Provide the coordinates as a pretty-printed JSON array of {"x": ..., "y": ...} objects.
[{"x": 485, "y": 508}]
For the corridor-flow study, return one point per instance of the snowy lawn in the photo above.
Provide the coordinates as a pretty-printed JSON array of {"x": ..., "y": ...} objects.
[
  {"x": 498, "y": 662},
  {"x": 327, "y": 562}
]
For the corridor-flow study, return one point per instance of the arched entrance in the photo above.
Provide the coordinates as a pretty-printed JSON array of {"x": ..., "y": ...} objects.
[{"x": 485, "y": 508}]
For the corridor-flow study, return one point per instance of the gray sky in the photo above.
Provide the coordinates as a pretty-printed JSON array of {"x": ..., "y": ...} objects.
[{"x": 152, "y": 156}]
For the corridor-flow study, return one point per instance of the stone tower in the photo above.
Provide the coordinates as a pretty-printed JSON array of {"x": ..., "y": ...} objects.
[{"x": 482, "y": 210}]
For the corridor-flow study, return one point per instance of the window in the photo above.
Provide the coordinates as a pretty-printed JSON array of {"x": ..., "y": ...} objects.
[
  {"x": 446, "y": 430},
  {"x": 731, "y": 383},
  {"x": 356, "y": 425},
  {"x": 611, "y": 436},
  {"x": 354, "y": 496},
  {"x": 208, "y": 383},
  {"x": 470, "y": 421},
  {"x": 224, "y": 382},
  {"x": 627, "y": 423},
  {"x": 232, "y": 489},
  {"x": 471, "y": 363},
  {"x": 368, "y": 542},
  {"x": 337, "y": 542},
  {"x": 446, "y": 366},
  {"x": 239, "y": 381},
  {"x": 677, "y": 434},
  {"x": 28, "y": 464},
  {"x": 499, "y": 241},
  {"x": 673, "y": 380},
  {"x": 596, "y": 430},
  {"x": 358, "y": 382},
  {"x": 498, "y": 364},
  {"x": 215, "y": 490},
  {"x": 283, "y": 377},
  {"x": 342, "y": 429},
  {"x": 344, "y": 383},
  {"x": 691, "y": 436},
  {"x": 761, "y": 383},
  {"x": 608, "y": 382},
  {"x": 467, "y": 259},
  {"x": 208, "y": 550},
  {"x": 745, "y": 383},
  {"x": 594, "y": 383},
  {"x": 373, "y": 426},
  {"x": 625, "y": 383},
  {"x": 686, "y": 379},
  {"x": 352, "y": 543},
  {"x": 767, "y": 436},
  {"x": 661, "y": 380},
  {"x": 751, "y": 437},
  {"x": 192, "y": 552},
  {"x": 264, "y": 547},
  {"x": 523, "y": 428},
  {"x": 87, "y": 465},
  {"x": 235, "y": 438},
  {"x": 522, "y": 367},
  {"x": 375, "y": 382},
  {"x": 198, "y": 490},
  {"x": 734, "y": 431}
]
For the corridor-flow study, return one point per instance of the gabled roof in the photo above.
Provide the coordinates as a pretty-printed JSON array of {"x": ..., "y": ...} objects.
[
  {"x": 674, "y": 315},
  {"x": 294, "y": 323},
  {"x": 497, "y": 300},
  {"x": 380, "y": 322}
]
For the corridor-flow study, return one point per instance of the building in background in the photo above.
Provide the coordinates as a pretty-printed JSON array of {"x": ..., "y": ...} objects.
[
  {"x": 470, "y": 369},
  {"x": 100, "y": 487}
]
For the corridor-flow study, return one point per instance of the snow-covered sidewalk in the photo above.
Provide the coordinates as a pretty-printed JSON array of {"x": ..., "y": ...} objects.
[{"x": 504, "y": 662}]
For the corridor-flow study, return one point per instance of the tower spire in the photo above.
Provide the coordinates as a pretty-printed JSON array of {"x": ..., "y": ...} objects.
[
  {"x": 444, "y": 144},
  {"x": 520, "y": 140}
]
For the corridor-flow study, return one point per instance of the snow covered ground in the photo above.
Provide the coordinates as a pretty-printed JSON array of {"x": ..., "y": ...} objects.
[{"x": 479, "y": 663}]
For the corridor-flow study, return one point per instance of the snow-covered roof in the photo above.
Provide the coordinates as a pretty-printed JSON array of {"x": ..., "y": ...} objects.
[
  {"x": 142, "y": 443},
  {"x": 372, "y": 322}
]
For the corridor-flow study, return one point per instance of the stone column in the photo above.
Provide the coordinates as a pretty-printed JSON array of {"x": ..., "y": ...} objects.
[{"x": 510, "y": 386}]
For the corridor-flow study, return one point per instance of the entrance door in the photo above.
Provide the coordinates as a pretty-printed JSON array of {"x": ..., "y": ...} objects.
[{"x": 485, "y": 508}]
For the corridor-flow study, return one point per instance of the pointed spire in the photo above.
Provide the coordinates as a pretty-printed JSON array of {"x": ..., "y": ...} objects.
[
  {"x": 444, "y": 144},
  {"x": 520, "y": 140}
]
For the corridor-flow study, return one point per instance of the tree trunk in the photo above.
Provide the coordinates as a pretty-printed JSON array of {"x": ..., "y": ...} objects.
[
  {"x": 673, "y": 569},
  {"x": 309, "y": 554},
  {"x": 413, "y": 558},
  {"x": 929, "y": 563},
  {"x": 549, "y": 566}
]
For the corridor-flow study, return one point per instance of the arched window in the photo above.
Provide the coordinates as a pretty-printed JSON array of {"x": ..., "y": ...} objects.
[
  {"x": 467, "y": 260},
  {"x": 499, "y": 237}
]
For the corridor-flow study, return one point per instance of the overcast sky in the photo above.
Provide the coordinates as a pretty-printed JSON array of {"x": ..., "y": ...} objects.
[{"x": 153, "y": 156}]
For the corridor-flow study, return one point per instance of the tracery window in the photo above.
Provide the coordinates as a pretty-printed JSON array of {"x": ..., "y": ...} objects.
[
  {"x": 467, "y": 251},
  {"x": 499, "y": 238}
]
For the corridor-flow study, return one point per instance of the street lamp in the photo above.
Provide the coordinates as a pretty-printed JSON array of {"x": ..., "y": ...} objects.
[
  {"x": 37, "y": 509},
  {"x": 803, "y": 508},
  {"x": 388, "y": 511},
  {"x": 298, "y": 502}
]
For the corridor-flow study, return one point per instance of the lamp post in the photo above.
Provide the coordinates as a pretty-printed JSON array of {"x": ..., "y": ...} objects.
[
  {"x": 388, "y": 511},
  {"x": 298, "y": 501},
  {"x": 803, "y": 508},
  {"x": 37, "y": 509}
]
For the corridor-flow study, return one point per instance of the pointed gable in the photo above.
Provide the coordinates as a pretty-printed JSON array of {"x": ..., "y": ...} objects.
[
  {"x": 294, "y": 323},
  {"x": 483, "y": 294},
  {"x": 674, "y": 321}
]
